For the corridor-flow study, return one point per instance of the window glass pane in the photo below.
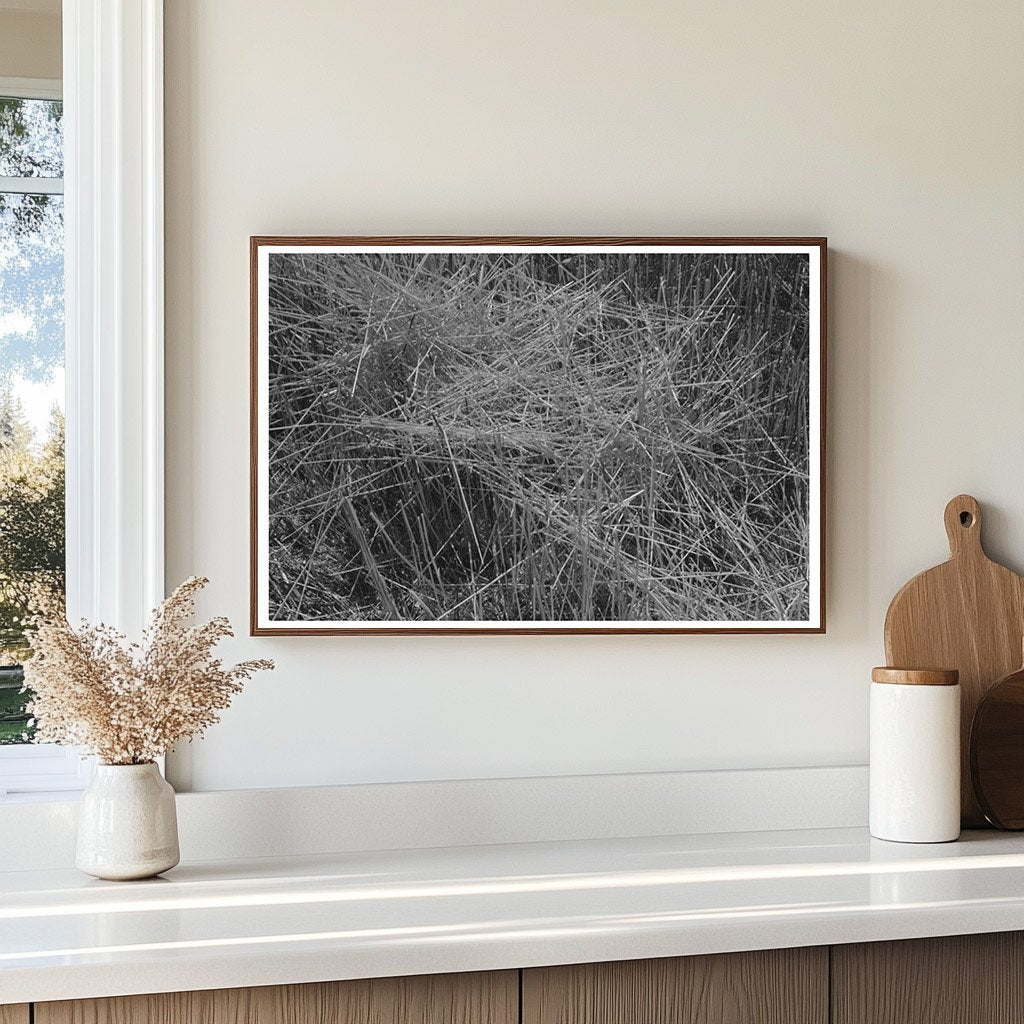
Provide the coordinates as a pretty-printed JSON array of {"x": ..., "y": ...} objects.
[
  {"x": 31, "y": 431},
  {"x": 31, "y": 138}
]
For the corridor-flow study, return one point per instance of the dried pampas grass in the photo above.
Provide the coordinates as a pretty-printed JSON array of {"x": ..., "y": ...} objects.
[{"x": 129, "y": 703}]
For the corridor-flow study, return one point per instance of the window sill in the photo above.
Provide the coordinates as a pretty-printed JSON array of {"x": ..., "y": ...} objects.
[
  {"x": 38, "y": 831},
  {"x": 41, "y": 797}
]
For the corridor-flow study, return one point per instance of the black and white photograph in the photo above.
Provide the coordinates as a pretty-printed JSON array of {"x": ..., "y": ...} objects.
[{"x": 537, "y": 435}]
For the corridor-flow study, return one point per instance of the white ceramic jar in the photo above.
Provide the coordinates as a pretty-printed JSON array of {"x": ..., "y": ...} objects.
[
  {"x": 915, "y": 755},
  {"x": 127, "y": 823}
]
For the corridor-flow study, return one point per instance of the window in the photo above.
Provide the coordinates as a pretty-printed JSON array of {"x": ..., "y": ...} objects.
[
  {"x": 112, "y": 213},
  {"x": 31, "y": 383},
  {"x": 32, "y": 531}
]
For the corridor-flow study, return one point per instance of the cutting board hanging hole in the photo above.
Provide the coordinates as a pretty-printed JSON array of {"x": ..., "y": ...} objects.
[{"x": 963, "y": 526}]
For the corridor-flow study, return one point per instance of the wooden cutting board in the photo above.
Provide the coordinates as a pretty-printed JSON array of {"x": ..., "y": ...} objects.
[{"x": 967, "y": 614}]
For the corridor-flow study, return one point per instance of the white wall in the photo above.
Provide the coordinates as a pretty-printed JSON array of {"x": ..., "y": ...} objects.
[{"x": 895, "y": 129}]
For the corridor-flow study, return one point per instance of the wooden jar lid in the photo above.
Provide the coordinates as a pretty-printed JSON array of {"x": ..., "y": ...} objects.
[{"x": 916, "y": 676}]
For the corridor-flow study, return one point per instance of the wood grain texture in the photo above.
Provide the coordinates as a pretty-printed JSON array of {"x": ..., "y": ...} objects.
[
  {"x": 997, "y": 752},
  {"x": 778, "y": 986},
  {"x": 967, "y": 614},
  {"x": 915, "y": 676},
  {"x": 962, "y": 979},
  {"x": 483, "y": 998},
  {"x": 14, "y": 1014}
]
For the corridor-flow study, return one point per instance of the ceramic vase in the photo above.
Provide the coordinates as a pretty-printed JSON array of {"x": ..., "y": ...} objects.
[{"x": 127, "y": 825}]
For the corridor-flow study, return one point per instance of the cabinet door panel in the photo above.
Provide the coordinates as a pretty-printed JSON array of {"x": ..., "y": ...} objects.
[
  {"x": 490, "y": 998},
  {"x": 779, "y": 986},
  {"x": 961, "y": 979},
  {"x": 14, "y": 1014}
]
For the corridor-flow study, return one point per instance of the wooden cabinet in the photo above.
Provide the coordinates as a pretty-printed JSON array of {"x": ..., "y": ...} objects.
[
  {"x": 491, "y": 998},
  {"x": 778, "y": 986},
  {"x": 963, "y": 979},
  {"x": 968, "y": 979}
]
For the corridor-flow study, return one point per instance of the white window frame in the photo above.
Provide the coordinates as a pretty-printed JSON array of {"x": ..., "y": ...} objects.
[
  {"x": 32, "y": 88},
  {"x": 113, "y": 222}
]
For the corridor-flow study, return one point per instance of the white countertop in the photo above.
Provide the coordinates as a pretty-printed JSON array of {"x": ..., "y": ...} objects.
[{"x": 357, "y": 915}]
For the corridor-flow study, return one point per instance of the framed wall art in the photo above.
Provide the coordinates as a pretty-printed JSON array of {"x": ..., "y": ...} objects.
[{"x": 537, "y": 435}]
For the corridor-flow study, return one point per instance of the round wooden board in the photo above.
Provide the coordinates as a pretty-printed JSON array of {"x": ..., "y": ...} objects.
[{"x": 997, "y": 752}]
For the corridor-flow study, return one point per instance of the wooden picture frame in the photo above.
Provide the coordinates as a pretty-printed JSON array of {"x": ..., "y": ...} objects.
[{"x": 473, "y": 336}]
